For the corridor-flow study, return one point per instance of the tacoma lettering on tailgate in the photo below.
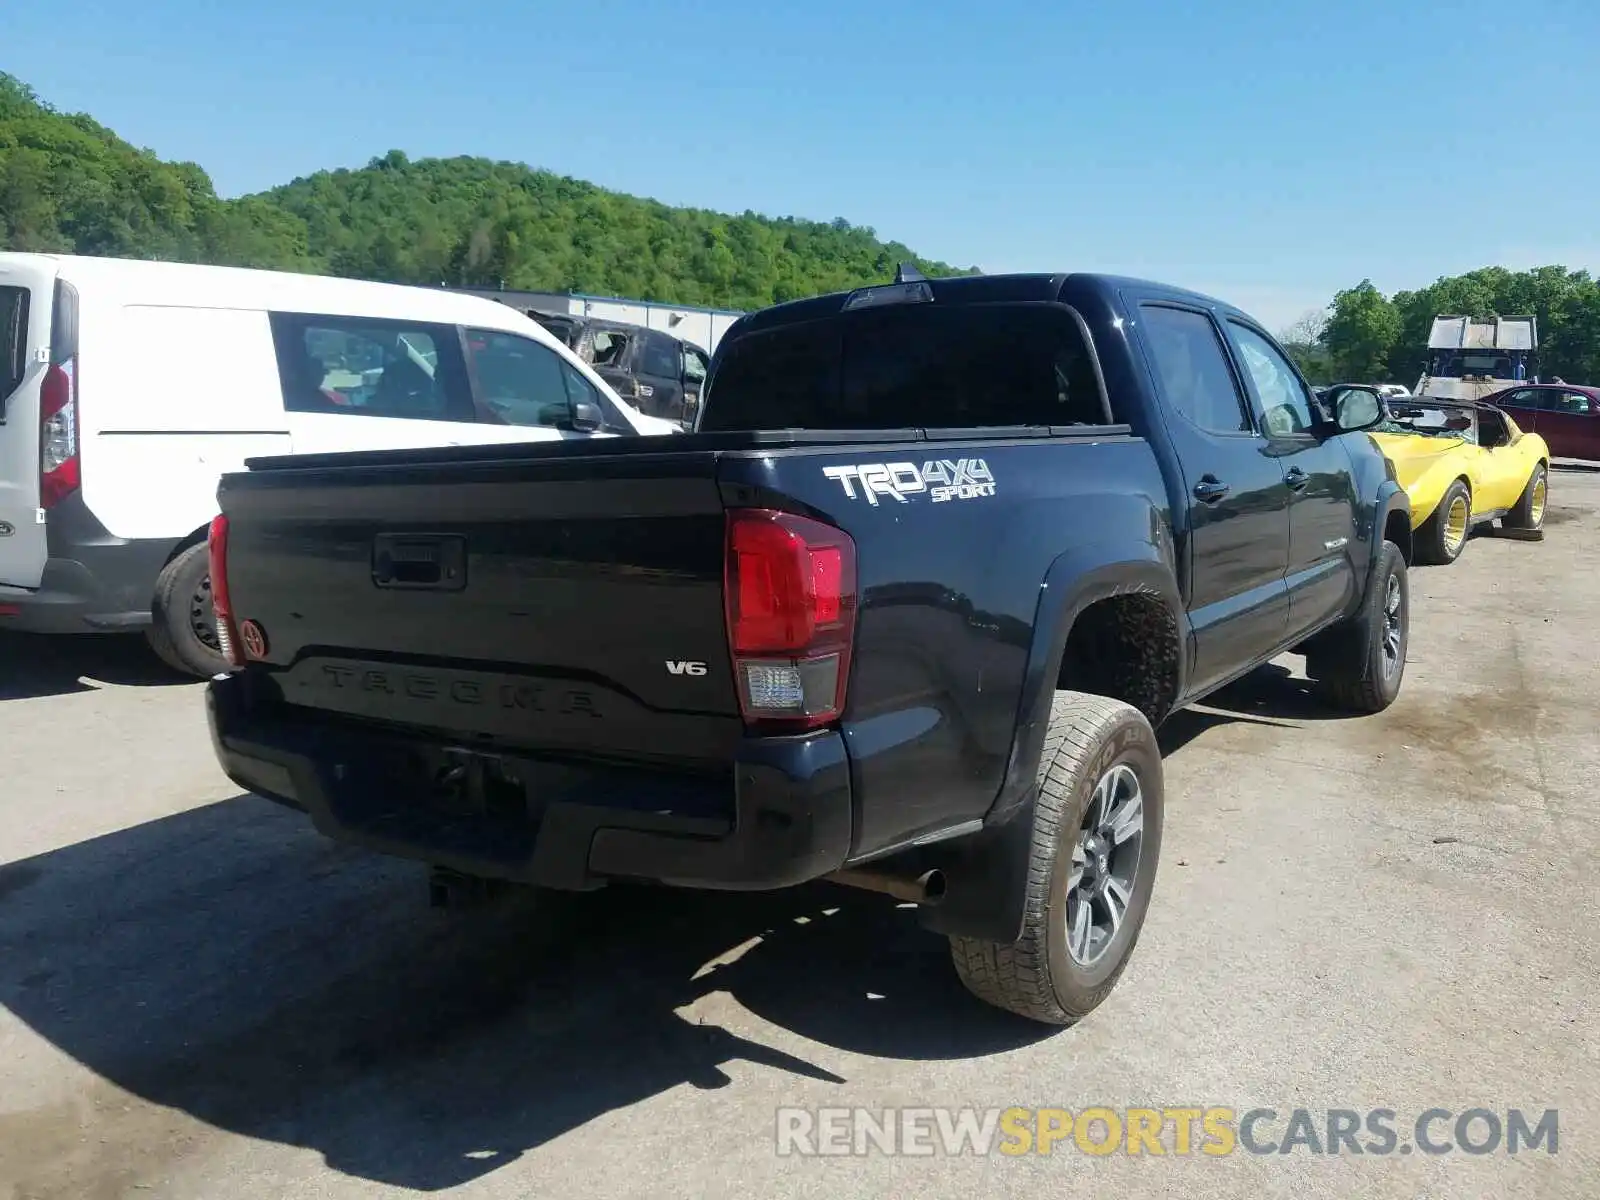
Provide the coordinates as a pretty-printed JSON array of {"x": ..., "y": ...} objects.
[{"x": 532, "y": 697}]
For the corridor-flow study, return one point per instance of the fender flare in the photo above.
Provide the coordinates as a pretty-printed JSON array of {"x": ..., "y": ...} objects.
[
  {"x": 986, "y": 873},
  {"x": 1392, "y": 498}
]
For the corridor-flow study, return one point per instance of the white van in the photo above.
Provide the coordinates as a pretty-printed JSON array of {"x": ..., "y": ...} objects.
[{"x": 127, "y": 389}]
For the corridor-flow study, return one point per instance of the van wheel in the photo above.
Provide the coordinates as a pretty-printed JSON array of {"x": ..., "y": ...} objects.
[
  {"x": 183, "y": 628},
  {"x": 1096, "y": 839}
]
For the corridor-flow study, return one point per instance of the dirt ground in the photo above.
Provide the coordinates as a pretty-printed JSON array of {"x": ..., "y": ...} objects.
[{"x": 200, "y": 997}]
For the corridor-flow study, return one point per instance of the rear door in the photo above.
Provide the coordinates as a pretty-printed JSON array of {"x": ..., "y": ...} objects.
[
  {"x": 27, "y": 290},
  {"x": 661, "y": 370},
  {"x": 611, "y": 352},
  {"x": 1238, "y": 526},
  {"x": 1523, "y": 404}
]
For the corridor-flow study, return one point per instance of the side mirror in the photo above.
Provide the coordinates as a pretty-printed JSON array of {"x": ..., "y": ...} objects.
[
  {"x": 1357, "y": 410},
  {"x": 586, "y": 417}
]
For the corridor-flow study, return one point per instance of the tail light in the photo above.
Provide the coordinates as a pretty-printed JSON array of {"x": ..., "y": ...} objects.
[
  {"x": 60, "y": 472},
  {"x": 790, "y": 592},
  {"x": 221, "y": 601}
]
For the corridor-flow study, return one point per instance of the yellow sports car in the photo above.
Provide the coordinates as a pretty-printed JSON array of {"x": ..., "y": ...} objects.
[{"x": 1462, "y": 465}]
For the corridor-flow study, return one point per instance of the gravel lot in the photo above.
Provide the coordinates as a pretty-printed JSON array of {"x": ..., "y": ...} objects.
[{"x": 199, "y": 997}]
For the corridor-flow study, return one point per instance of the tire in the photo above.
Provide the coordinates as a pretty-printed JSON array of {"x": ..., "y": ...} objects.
[
  {"x": 1360, "y": 665},
  {"x": 1435, "y": 543},
  {"x": 1091, "y": 740},
  {"x": 1527, "y": 515},
  {"x": 182, "y": 602}
]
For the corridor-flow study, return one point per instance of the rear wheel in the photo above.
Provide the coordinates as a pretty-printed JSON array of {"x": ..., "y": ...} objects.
[
  {"x": 1527, "y": 515},
  {"x": 1444, "y": 534},
  {"x": 1096, "y": 840},
  {"x": 183, "y": 628}
]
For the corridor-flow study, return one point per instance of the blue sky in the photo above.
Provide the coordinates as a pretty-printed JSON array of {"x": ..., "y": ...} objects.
[{"x": 1269, "y": 152}]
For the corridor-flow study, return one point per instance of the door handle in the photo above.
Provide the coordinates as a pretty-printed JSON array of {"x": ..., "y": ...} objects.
[
  {"x": 1296, "y": 479},
  {"x": 1210, "y": 489}
]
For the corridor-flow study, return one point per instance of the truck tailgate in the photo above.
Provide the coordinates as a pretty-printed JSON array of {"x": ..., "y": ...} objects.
[{"x": 561, "y": 604}]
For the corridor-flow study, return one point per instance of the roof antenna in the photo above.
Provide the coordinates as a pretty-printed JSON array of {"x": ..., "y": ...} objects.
[{"x": 908, "y": 273}]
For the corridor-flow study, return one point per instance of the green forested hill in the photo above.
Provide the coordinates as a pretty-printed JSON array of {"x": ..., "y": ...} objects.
[{"x": 69, "y": 184}]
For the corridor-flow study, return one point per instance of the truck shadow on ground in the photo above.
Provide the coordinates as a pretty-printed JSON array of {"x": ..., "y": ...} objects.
[
  {"x": 1273, "y": 695},
  {"x": 32, "y": 666},
  {"x": 231, "y": 964}
]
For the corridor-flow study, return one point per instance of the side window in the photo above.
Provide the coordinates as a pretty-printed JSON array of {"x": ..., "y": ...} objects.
[
  {"x": 1575, "y": 402},
  {"x": 608, "y": 348},
  {"x": 661, "y": 357},
  {"x": 358, "y": 366},
  {"x": 1522, "y": 398},
  {"x": 695, "y": 365},
  {"x": 13, "y": 340},
  {"x": 1285, "y": 407},
  {"x": 521, "y": 381},
  {"x": 1193, "y": 368}
]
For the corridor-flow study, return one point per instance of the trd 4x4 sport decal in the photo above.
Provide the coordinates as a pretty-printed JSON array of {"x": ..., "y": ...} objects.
[{"x": 941, "y": 480}]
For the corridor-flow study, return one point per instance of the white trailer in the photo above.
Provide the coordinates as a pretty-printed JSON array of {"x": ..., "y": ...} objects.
[{"x": 1468, "y": 359}]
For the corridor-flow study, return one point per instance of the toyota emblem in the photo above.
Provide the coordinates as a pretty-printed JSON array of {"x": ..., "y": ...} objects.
[{"x": 254, "y": 638}]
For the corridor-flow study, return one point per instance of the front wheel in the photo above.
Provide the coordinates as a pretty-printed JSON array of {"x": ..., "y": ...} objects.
[
  {"x": 1360, "y": 664},
  {"x": 1096, "y": 840},
  {"x": 183, "y": 627},
  {"x": 1527, "y": 515}
]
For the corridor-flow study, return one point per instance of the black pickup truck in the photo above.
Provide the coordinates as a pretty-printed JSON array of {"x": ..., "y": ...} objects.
[{"x": 902, "y": 612}]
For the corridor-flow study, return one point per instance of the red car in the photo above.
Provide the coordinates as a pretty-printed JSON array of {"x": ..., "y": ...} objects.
[{"x": 1565, "y": 415}]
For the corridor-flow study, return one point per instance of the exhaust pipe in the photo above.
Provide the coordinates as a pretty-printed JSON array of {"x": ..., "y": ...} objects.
[{"x": 927, "y": 888}]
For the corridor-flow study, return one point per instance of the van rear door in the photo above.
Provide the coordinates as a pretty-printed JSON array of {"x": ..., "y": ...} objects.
[{"x": 27, "y": 291}]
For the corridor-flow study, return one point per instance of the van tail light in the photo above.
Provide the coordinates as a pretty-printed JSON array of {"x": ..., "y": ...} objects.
[
  {"x": 221, "y": 601},
  {"x": 60, "y": 469},
  {"x": 789, "y": 589}
]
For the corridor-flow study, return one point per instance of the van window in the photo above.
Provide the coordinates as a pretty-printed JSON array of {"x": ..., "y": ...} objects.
[
  {"x": 362, "y": 366},
  {"x": 910, "y": 366},
  {"x": 523, "y": 382},
  {"x": 13, "y": 341}
]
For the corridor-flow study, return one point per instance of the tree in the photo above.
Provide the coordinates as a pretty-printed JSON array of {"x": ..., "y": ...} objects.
[
  {"x": 1303, "y": 341},
  {"x": 1362, "y": 329}
]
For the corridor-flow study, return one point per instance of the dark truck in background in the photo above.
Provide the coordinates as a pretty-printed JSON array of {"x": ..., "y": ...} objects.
[
  {"x": 901, "y": 613},
  {"x": 658, "y": 374}
]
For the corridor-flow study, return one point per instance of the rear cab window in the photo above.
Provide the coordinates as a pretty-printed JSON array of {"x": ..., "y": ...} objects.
[
  {"x": 364, "y": 366},
  {"x": 910, "y": 366},
  {"x": 13, "y": 341}
]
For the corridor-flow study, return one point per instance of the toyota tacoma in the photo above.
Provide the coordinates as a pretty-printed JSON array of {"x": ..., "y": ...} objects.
[{"x": 902, "y": 612}]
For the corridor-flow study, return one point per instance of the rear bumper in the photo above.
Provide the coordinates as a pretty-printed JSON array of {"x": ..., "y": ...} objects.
[
  {"x": 781, "y": 816},
  {"x": 93, "y": 581}
]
